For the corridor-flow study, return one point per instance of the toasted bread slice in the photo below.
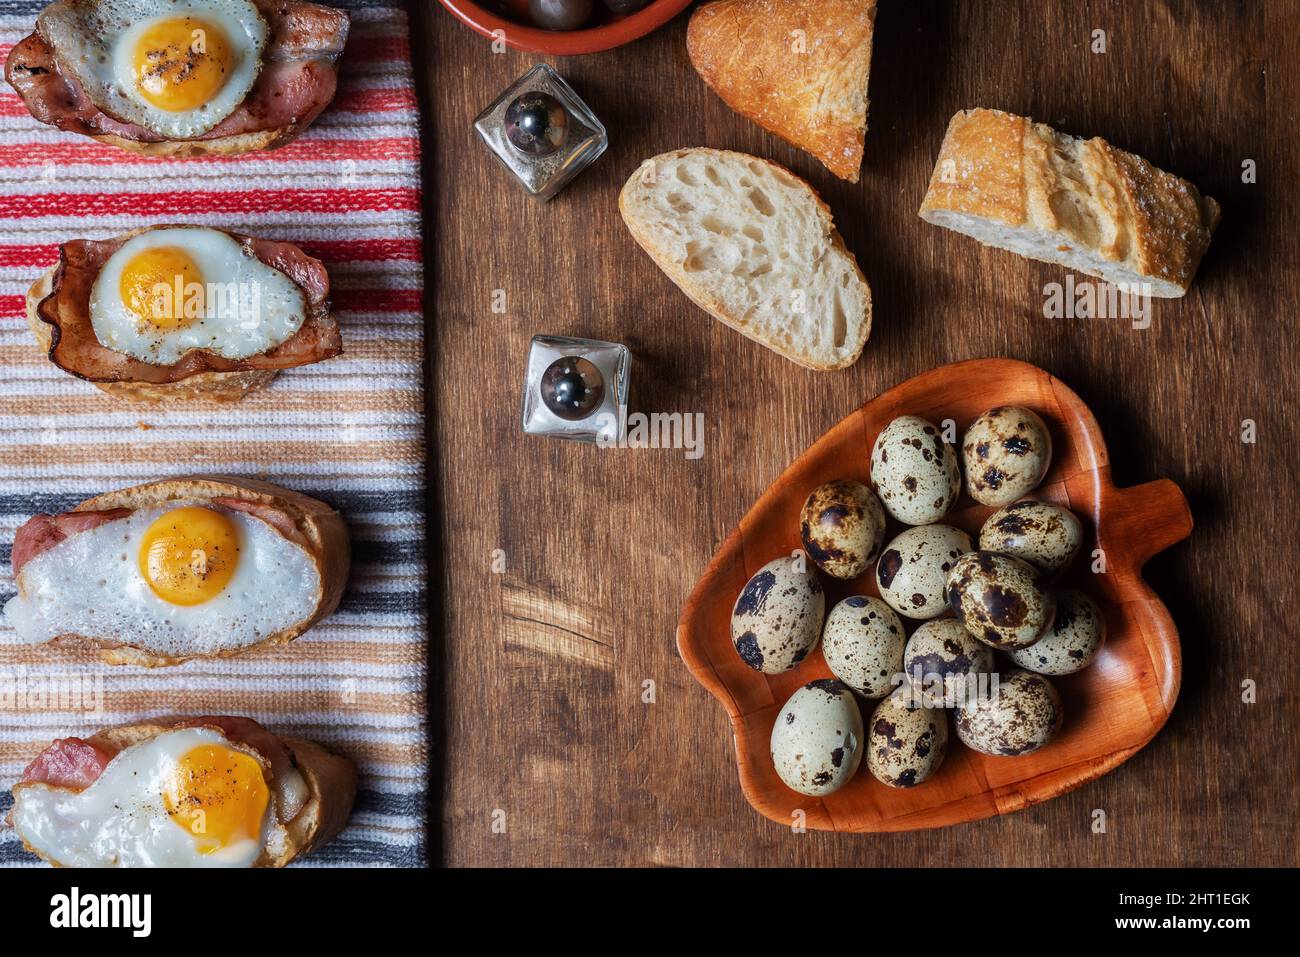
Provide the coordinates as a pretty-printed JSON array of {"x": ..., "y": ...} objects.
[
  {"x": 798, "y": 68},
  {"x": 754, "y": 246},
  {"x": 324, "y": 795},
  {"x": 207, "y": 386},
  {"x": 320, "y": 528},
  {"x": 234, "y": 145},
  {"x": 1018, "y": 185}
]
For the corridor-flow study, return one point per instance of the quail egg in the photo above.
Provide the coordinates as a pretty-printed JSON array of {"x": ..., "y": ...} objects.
[
  {"x": 1001, "y": 600},
  {"x": 1047, "y": 536},
  {"x": 863, "y": 644},
  {"x": 914, "y": 471},
  {"x": 905, "y": 742},
  {"x": 817, "y": 738},
  {"x": 842, "y": 526},
  {"x": 941, "y": 655},
  {"x": 777, "y": 619},
  {"x": 1021, "y": 716},
  {"x": 912, "y": 571},
  {"x": 1007, "y": 452},
  {"x": 1076, "y": 635}
]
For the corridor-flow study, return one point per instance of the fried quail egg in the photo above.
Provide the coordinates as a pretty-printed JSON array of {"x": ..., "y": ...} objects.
[
  {"x": 906, "y": 743},
  {"x": 1045, "y": 535},
  {"x": 914, "y": 471},
  {"x": 170, "y": 290},
  {"x": 912, "y": 572},
  {"x": 1000, "y": 600},
  {"x": 863, "y": 644},
  {"x": 184, "y": 798},
  {"x": 842, "y": 526},
  {"x": 1070, "y": 645},
  {"x": 1007, "y": 452},
  {"x": 181, "y": 579},
  {"x": 817, "y": 738},
  {"x": 175, "y": 67},
  {"x": 777, "y": 619},
  {"x": 1021, "y": 716},
  {"x": 942, "y": 656}
]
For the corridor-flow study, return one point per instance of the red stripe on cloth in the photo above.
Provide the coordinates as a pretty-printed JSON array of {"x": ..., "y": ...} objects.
[
  {"x": 169, "y": 205},
  {"x": 330, "y": 251},
  {"x": 375, "y": 101},
  {"x": 363, "y": 49},
  {"x": 83, "y": 150},
  {"x": 13, "y": 306},
  {"x": 42, "y": 255},
  {"x": 378, "y": 300}
]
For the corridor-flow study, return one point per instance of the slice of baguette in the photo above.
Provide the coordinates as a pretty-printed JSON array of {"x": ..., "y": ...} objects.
[
  {"x": 234, "y": 145},
  {"x": 1021, "y": 186},
  {"x": 755, "y": 247},
  {"x": 331, "y": 788},
  {"x": 798, "y": 69},
  {"x": 206, "y": 386},
  {"x": 320, "y": 525}
]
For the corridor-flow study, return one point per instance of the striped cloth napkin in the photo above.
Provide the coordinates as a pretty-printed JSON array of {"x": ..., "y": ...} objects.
[{"x": 349, "y": 431}]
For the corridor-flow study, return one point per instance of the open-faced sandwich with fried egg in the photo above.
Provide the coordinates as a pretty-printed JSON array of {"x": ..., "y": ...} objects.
[
  {"x": 181, "y": 77},
  {"x": 195, "y": 567},
  {"x": 184, "y": 312},
  {"x": 181, "y": 792}
]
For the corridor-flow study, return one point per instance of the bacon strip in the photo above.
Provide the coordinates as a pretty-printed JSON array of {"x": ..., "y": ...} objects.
[
  {"x": 298, "y": 78},
  {"x": 76, "y": 763},
  {"x": 75, "y": 348},
  {"x": 281, "y": 521},
  {"x": 42, "y": 532}
]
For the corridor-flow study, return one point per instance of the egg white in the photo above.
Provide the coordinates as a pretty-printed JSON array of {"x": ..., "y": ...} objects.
[
  {"x": 94, "y": 41},
  {"x": 280, "y": 305},
  {"x": 121, "y": 819},
  {"x": 90, "y": 584}
]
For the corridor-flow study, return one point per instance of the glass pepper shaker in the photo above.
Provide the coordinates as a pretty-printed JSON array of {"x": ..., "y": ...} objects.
[
  {"x": 542, "y": 131},
  {"x": 576, "y": 389}
]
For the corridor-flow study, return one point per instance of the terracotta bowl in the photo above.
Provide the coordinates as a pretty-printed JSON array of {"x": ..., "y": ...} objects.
[
  {"x": 1113, "y": 707},
  {"x": 607, "y": 31}
]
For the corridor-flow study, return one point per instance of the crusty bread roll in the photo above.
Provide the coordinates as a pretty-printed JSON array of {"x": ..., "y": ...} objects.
[
  {"x": 322, "y": 531},
  {"x": 330, "y": 783},
  {"x": 1019, "y": 185},
  {"x": 798, "y": 68},
  {"x": 754, "y": 246},
  {"x": 207, "y": 386}
]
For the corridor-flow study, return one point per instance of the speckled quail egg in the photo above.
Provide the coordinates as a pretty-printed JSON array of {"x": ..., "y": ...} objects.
[
  {"x": 842, "y": 526},
  {"x": 777, "y": 619},
  {"x": 1045, "y": 535},
  {"x": 905, "y": 742},
  {"x": 912, "y": 571},
  {"x": 863, "y": 644},
  {"x": 914, "y": 471},
  {"x": 1076, "y": 635},
  {"x": 1021, "y": 716},
  {"x": 1007, "y": 452},
  {"x": 1001, "y": 600},
  {"x": 817, "y": 738},
  {"x": 940, "y": 656}
]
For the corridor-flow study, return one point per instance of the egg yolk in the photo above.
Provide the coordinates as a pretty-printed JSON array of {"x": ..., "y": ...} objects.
[
  {"x": 180, "y": 63},
  {"x": 219, "y": 795},
  {"x": 163, "y": 287},
  {"x": 188, "y": 556}
]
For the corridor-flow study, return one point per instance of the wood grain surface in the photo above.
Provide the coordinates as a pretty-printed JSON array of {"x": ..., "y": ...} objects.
[{"x": 547, "y": 751}]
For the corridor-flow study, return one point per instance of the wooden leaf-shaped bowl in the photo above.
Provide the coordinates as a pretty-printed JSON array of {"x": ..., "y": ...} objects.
[{"x": 1113, "y": 707}]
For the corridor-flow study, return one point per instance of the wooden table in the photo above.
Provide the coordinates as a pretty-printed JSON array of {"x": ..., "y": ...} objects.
[{"x": 539, "y": 669}]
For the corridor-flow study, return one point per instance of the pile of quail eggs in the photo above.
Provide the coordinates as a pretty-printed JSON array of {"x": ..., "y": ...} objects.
[{"x": 971, "y": 600}]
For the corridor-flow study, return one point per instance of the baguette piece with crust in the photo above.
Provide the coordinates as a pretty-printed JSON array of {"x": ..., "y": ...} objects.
[
  {"x": 312, "y": 790},
  {"x": 755, "y": 247},
  {"x": 798, "y": 68},
  {"x": 58, "y": 313},
  {"x": 1022, "y": 186},
  {"x": 308, "y": 523}
]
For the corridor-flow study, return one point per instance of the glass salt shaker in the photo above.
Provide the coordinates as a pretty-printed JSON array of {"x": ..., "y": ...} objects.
[
  {"x": 576, "y": 389},
  {"x": 542, "y": 131}
]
